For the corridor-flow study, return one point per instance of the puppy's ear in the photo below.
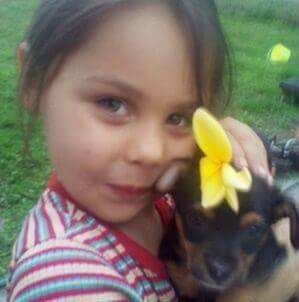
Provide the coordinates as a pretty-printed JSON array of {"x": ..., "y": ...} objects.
[{"x": 286, "y": 207}]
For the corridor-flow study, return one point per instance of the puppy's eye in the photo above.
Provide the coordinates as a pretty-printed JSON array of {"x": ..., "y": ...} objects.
[
  {"x": 255, "y": 230},
  {"x": 252, "y": 237}
]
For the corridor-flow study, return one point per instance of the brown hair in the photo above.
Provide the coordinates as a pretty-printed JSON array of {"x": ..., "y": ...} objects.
[{"x": 60, "y": 26}]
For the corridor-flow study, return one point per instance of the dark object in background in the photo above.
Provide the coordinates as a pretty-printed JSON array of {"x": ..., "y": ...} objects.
[
  {"x": 290, "y": 89},
  {"x": 284, "y": 156},
  {"x": 292, "y": 192}
]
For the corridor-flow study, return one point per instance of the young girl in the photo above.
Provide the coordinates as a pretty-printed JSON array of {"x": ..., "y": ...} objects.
[{"x": 115, "y": 83}]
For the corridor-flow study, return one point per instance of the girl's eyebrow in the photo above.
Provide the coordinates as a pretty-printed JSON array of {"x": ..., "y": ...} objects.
[{"x": 118, "y": 83}]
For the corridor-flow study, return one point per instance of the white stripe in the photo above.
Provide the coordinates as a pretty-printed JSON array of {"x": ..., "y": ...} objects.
[
  {"x": 78, "y": 214},
  {"x": 120, "y": 248},
  {"x": 53, "y": 243},
  {"x": 31, "y": 232},
  {"x": 96, "y": 231},
  {"x": 168, "y": 296},
  {"x": 109, "y": 296},
  {"x": 57, "y": 225},
  {"x": 70, "y": 207}
]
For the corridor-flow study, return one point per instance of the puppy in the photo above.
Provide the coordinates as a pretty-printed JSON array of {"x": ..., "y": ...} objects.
[{"x": 218, "y": 255}]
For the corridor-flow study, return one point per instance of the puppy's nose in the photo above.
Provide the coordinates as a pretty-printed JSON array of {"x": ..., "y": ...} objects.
[{"x": 219, "y": 269}]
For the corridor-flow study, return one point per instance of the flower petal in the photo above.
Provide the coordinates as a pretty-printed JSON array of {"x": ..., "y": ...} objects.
[
  {"x": 208, "y": 168},
  {"x": 232, "y": 199},
  {"x": 211, "y": 137},
  {"x": 279, "y": 54},
  {"x": 239, "y": 180},
  {"x": 213, "y": 191}
]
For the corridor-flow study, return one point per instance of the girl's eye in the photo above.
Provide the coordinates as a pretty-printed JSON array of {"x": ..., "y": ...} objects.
[
  {"x": 180, "y": 120},
  {"x": 113, "y": 105}
]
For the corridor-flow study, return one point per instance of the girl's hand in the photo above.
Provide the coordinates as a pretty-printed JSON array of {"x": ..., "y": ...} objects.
[{"x": 248, "y": 151}]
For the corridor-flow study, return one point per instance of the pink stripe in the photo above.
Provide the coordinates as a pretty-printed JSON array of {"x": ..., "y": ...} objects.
[
  {"x": 128, "y": 269},
  {"x": 103, "y": 233},
  {"x": 30, "y": 233},
  {"x": 56, "y": 263},
  {"x": 47, "y": 218},
  {"x": 36, "y": 234},
  {"x": 64, "y": 277},
  {"x": 78, "y": 292},
  {"x": 95, "y": 238},
  {"x": 56, "y": 248},
  {"x": 165, "y": 291},
  {"x": 25, "y": 234}
]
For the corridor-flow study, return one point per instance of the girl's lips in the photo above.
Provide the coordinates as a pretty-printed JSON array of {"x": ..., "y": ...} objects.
[{"x": 129, "y": 191}]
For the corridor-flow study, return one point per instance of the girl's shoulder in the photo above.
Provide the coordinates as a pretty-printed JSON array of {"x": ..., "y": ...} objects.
[
  {"x": 53, "y": 217},
  {"x": 62, "y": 248},
  {"x": 55, "y": 256},
  {"x": 62, "y": 268}
]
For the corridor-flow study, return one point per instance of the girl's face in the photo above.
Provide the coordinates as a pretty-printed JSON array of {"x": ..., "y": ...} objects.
[{"x": 117, "y": 114}]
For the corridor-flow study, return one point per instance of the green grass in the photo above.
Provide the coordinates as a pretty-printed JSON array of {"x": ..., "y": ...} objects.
[
  {"x": 256, "y": 98},
  {"x": 286, "y": 11},
  {"x": 20, "y": 182}
]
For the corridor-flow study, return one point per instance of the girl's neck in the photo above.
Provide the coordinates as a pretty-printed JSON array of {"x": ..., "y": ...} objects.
[{"x": 146, "y": 229}]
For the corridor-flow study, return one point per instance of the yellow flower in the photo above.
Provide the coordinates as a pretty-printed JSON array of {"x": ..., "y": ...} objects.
[
  {"x": 219, "y": 180},
  {"x": 279, "y": 54}
]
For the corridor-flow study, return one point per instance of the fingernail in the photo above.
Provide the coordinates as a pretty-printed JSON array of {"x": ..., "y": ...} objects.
[
  {"x": 262, "y": 172},
  {"x": 270, "y": 180}
]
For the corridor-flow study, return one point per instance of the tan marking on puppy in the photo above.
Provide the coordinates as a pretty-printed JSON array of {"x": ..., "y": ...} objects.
[
  {"x": 282, "y": 231},
  {"x": 208, "y": 213},
  {"x": 186, "y": 283},
  {"x": 249, "y": 219}
]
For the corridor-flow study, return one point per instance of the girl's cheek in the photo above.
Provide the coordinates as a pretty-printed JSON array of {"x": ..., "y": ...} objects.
[{"x": 185, "y": 147}]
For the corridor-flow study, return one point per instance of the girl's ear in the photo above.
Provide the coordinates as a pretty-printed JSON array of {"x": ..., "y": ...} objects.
[{"x": 22, "y": 53}]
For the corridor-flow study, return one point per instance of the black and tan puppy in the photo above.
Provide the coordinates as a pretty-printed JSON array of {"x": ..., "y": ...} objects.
[{"x": 210, "y": 253}]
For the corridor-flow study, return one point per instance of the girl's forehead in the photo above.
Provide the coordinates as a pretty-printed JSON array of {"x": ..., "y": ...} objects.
[
  {"x": 144, "y": 45},
  {"x": 149, "y": 29}
]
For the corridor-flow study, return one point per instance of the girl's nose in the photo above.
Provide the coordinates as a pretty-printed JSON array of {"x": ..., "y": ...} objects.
[{"x": 147, "y": 146}]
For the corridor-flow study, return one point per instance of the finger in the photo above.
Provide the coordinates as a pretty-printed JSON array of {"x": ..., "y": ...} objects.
[
  {"x": 256, "y": 156},
  {"x": 253, "y": 148},
  {"x": 239, "y": 158},
  {"x": 170, "y": 177}
]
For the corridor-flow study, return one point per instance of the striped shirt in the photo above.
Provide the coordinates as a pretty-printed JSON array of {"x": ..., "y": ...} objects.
[{"x": 65, "y": 254}]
